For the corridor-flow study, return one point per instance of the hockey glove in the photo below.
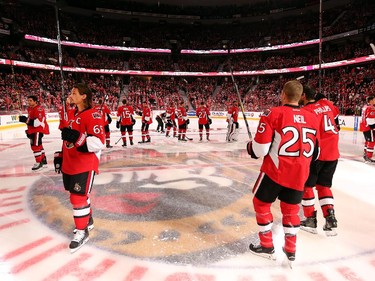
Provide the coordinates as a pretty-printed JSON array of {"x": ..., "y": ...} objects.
[
  {"x": 250, "y": 150},
  {"x": 73, "y": 136},
  {"x": 118, "y": 124},
  {"x": 57, "y": 161},
  {"x": 109, "y": 118},
  {"x": 133, "y": 120},
  {"x": 22, "y": 118},
  {"x": 31, "y": 122},
  {"x": 209, "y": 121},
  {"x": 187, "y": 122}
]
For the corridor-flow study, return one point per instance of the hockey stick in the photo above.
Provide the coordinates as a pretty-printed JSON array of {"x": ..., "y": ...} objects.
[
  {"x": 105, "y": 94},
  {"x": 14, "y": 84},
  {"x": 241, "y": 104},
  {"x": 65, "y": 115},
  {"x": 118, "y": 140},
  {"x": 300, "y": 77}
]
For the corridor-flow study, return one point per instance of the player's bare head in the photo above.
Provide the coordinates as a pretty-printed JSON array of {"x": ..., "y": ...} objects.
[
  {"x": 293, "y": 90},
  {"x": 124, "y": 101},
  {"x": 370, "y": 99},
  {"x": 202, "y": 103},
  {"x": 182, "y": 102},
  {"x": 83, "y": 89},
  {"x": 308, "y": 92},
  {"x": 34, "y": 98}
]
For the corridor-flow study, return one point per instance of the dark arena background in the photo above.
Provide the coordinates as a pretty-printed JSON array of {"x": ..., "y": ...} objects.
[{"x": 170, "y": 210}]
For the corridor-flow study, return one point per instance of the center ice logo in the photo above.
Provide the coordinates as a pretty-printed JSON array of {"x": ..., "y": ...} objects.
[{"x": 182, "y": 210}]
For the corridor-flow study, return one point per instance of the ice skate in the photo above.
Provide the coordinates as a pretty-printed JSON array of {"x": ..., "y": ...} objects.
[
  {"x": 310, "y": 224},
  {"x": 331, "y": 223},
  {"x": 263, "y": 252},
  {"x": 80, "y": 239},
  {"x": 291, "y": 257},
  {"x": 368, "y": 160},
  {"x": 37, "y": 166}
]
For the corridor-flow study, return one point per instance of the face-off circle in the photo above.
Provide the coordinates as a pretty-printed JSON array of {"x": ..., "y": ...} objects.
[{"x": 175, "y": 207}]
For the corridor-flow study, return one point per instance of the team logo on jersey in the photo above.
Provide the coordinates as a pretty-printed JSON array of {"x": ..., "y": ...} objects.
[
  {"x": 69, "y": 145},
  {"x": 96, "y": 115},
  {"x": 77, "y": 187},
  {"x": 175, "y": 211},
  {"x": 266, "y": 113}
]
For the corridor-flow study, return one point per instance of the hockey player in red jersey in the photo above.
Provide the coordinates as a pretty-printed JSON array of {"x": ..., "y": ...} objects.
[
  {"x": 323, "y": 169},
  {"x": 287, "y": 138},
  {"x": 37, "y": 127},
  {"x": 203, "y": 115},
  {"x": 367, "y": 126},
  {"x": 103, "y": 109},
  {"x": 182, "y": 121},
  {"x": 146, "y": 121},
  {"x": 126, "y": 121},
  {"x": 64, "y": 113},
  {"x": 170, "y": 115},
  {"x": 232, "y": 119},
  {"x": 83, "y": 141}
]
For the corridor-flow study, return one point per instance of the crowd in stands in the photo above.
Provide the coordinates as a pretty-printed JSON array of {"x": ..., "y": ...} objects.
[
  {"x": 151, "y": 62},
  {"x": 278, "y": 30},
  {"x": 346, "y": 86},
  {"x": 15, "y": 88}
]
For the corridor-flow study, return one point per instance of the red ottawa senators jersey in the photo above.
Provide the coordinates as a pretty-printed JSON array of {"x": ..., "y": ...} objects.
[
  {"x": 103, "y": 110},
  {"x": 368, "y": 118},
  {"x": 326, "y": 113},
  {"x": 40, "y": 122},
  {"x": 146, "y": 115},
  {"x": 202, "y": 113},
  {"x": 287, "y": 138},
  {"x": 125, "y": 112},
  {"x": 64, "y": 115},
  {"x": 181, "y": 115},
  {"x": 90, "y": 123},
  {"x": 233, "y": 112},
  {"x": 171, "y": 112}
]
